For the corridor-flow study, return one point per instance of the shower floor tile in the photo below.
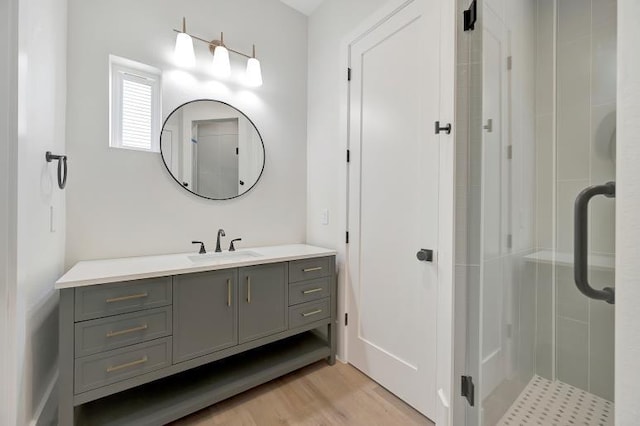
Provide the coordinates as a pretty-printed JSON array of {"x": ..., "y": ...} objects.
[{"x": 548, "y": 403}]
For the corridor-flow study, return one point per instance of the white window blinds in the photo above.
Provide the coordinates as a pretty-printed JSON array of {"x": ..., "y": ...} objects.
[
  {"x": 137, "y": 114},
  {"x": 135, "y": 106}
]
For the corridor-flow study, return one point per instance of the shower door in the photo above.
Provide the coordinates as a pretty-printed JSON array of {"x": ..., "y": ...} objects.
[{"x": 536, "y": 112}]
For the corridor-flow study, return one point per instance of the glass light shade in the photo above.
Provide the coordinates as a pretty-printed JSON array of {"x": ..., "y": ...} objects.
[
  {"x": 183, "y": 52},
  {"x": 253, "y": 77},
  {"x": 221, "y": 65}
]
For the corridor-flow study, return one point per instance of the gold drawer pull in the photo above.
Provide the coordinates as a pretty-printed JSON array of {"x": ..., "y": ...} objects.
[
  {"x": 123, "y": 298},
  {"x": 228, "y": 292},
  {"x": 248, "y": 289},
  {"x": 318, "y": 268},
  {"x": 127, "y": 331},
  {"x": 127, "y": 365},
  {"x": 315, "y": 290},
  {"x": 308, "y": 314}
]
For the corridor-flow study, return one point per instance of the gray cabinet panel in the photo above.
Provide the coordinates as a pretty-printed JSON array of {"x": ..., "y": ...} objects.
[
  {"x": 308, "y": 269},
  {"x": 121, "y": 330},
  {"x": 309, "y": 312},
  {"x": 108, "y": 367},
  {"x": 204, "y": 313},
  {"x": 307, "y": 291},
  {"x": 263, "y": 301},
  {"x": 118, "y": 298}
]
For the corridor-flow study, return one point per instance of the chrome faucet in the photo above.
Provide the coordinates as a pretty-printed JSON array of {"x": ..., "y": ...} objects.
[{"x": 220, "y": 234}]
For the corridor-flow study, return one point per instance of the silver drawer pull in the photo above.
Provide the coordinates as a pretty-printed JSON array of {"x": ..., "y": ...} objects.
[
  {"x": 308, "y": 314},
  {"x": 317, "y": 268},
  {"x": 228, "y": 292},
  {"x": 123, "y": 298},
  {"x": 315, "y": 290},
  {"x": 127, "y": 365},
  {"x": 127, "y": 331}
]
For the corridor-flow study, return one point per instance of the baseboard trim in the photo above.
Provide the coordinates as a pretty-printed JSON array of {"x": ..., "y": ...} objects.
[{"x": 47, "y": 408}]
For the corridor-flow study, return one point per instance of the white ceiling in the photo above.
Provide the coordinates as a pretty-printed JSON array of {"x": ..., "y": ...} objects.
[{"x": 305, "y": 6}]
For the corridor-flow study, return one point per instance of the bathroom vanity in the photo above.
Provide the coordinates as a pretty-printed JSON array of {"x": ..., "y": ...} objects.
[{"x": 148, "y": 340}]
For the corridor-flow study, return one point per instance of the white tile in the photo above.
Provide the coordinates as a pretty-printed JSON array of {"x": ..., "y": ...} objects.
[
  {"x": 603, "y": 143},
  {"x": 574, "y": 19},
  {"x": 603, "y": 65},
  {"x": 574, "y": 110},
  {"x": 567, "y": 193}
]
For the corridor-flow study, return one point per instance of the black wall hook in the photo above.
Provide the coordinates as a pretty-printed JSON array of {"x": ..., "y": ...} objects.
[{"x": 62, "y": 167}]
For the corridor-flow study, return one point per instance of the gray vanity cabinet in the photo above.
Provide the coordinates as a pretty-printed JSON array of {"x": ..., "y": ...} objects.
[
  {"x": 204, "y": 313},
  {"x": 262, "y": 301}
]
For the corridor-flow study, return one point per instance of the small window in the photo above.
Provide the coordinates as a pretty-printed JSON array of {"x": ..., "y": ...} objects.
[{"x": 135, "y": 105}]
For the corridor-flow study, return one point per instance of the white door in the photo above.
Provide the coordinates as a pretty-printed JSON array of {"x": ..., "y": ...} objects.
[{"x": 393, "y": 203}]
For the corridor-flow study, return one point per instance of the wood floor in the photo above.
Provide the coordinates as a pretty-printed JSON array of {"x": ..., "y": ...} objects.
[{"x": 316, "y": 395}]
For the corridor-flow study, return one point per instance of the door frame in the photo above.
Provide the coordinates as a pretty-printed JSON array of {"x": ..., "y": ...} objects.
[
  {"x": 446, "y": 207},
  {"x": 8, "y": 209}
]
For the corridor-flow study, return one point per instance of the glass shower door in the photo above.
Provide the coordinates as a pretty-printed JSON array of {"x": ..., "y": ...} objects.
[{"x": 540, "y": 78}]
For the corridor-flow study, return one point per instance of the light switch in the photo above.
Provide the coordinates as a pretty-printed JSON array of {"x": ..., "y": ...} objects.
[{"x": 324, "y": 217}]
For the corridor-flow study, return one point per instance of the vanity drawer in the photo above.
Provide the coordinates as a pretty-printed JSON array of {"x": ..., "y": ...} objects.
[
  {"x": 306, "y": 291},
  {"x": 308, "y": 269},
  {"x": 306, "y": 313},
  {"x": 118, "y": 298},
  {"x": 109, "y": 367},
  {"x": 114, "y": 332}
]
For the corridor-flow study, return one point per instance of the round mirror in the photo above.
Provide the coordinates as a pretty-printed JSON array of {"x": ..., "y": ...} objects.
[{"x": 212, "y": 149}]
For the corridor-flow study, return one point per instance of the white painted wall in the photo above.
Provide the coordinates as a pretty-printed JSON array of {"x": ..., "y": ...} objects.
[
  {"x": 124, "y": 203},
  {"x": 40, "y": 252},
  {"x": 627, "y": 363}
]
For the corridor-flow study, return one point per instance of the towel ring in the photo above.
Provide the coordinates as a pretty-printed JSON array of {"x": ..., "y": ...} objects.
[{"x": 62, "y": 167}]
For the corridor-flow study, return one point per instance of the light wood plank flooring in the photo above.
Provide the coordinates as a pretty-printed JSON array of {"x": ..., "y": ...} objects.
[{"x": 316, "y": 395}]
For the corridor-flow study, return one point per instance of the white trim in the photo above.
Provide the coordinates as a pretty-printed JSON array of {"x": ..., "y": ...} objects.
[
  {"x": 46, "y": 410},
  {"x": 8, "y": 215}
]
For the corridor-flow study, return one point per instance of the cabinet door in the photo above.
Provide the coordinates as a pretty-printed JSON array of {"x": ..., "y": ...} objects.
[
  {"x": 204, "y": 313},
  {"x": 263, "y": 301}
]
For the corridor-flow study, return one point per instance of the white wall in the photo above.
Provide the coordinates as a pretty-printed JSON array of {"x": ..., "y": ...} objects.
[
  {"x": 124, "y": 203},
  {"x": 40, "y": 252},
  {"x": 328, "y": 26},
  {"x": 627, "y": 363}
]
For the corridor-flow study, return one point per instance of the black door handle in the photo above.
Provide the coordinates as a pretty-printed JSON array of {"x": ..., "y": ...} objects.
[
  {"x": 581, "y": 240},
  {"x": 425, "y": 255}
]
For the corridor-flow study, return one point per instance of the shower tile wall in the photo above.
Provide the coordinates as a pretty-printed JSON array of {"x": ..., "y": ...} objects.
[{"x": 584, "y": 155}]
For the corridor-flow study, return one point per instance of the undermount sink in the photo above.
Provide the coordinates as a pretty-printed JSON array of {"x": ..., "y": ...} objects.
[{"x": 225, "y": 255}]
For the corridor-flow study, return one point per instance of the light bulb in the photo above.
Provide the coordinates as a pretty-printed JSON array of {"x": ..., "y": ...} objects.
[
  {"x": 253, "y": 76},
  {"x": 221, "y": 65},
  {"x": 183, "y": 53}
]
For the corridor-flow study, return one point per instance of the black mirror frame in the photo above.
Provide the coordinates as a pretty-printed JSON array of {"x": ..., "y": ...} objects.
[{"x": 264, "y": 153}]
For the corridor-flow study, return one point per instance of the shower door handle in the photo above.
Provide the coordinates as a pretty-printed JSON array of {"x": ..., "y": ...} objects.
[{"x": 581, "y": 240}]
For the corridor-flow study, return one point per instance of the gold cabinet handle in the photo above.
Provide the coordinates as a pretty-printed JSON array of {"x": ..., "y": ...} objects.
[
  {"x": 248, "y": 289},
  {"x": 228, "y": 292},
  {"x": 317, "y": 268},
  {"x": 127, "y": 365},
  {"x": 314, "y": 290},
  {"x": 127, "y": 331},
  {"x": 308, "y": 314},
  {"x": 123, "y": 298}
]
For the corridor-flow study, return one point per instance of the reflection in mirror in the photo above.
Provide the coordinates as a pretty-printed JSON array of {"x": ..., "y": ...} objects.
[{"x": 212, "y": 149}]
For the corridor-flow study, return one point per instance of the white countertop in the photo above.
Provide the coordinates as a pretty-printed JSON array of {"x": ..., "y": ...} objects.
[{"x": 93, "y": 272}]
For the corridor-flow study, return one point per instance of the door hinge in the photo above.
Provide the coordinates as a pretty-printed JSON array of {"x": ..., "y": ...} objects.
[
  {"x": 470, "y": 15},
  {"x": 509, "y": 62},
  {"x": 468, "y": 389},
  {"x": 347, "y": 237},
  {"x": 346, "y": 319},
  {"x": 510, "y": 152},
  {"x": 348, "y": 156},
  {"x": 237, "y": 151},
  {"x": 348, "y": 74}
]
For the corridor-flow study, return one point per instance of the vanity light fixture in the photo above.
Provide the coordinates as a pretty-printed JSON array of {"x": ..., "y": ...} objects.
[{"x": 185, "y": 56}]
